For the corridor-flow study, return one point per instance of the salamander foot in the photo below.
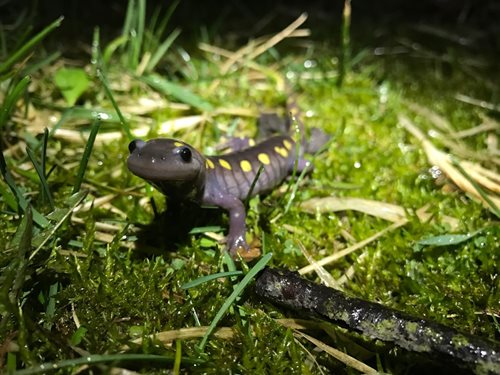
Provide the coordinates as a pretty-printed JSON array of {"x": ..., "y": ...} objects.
[{"x": 238, "y": 248}]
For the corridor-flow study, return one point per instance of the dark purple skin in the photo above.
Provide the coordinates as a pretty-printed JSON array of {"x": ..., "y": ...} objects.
[{"x": 182, "y": 173}]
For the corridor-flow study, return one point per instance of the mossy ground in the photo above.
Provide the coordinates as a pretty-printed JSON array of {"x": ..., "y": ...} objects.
[{"x": 125, "y": 283}]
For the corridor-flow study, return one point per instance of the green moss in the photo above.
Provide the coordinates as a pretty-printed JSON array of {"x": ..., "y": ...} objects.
[{"x": 459, "y": 341}]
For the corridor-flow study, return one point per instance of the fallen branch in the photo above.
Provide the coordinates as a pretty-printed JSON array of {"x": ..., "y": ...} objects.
[{"x": 376, "y": 321}]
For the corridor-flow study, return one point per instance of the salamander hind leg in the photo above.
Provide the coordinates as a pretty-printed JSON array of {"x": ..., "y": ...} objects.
[
  {"x": 234, "y": 144},
  {"x": 303, "y": 164},
  {"x": 317, "y": 139}
]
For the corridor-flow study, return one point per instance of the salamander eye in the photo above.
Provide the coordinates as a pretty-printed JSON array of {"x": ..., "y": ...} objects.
[
  {"x": 185, "y": 154},
  {"x": 136, "y": 143}
]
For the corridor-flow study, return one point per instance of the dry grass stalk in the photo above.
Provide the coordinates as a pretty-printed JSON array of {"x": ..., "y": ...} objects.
[
  {"x": 252, "y": 50},
  {"x": 348, "y": 250},
  {"x": 349, "y": 273},
  {"x": 477, "y": 102},
  {"x": 445, "y": 163},
  {"x": 96, "y": 202},
  {"x": 485, "y": 177},
  {"x": 451, "y": 138},
  {"x": 166, "y": 337},
  {"x": 311, "y": 356},
  {"x": 105, "y": 227},
  {"x": 285, "y": 33},
  {"x": 165, "y": 128},
  {"x": 301, "y": 232},
  {"x": 438, "y": 120},
  {"x": 298, "y": 324},
  {"x": 261, "y": 71},
  {"x": 485, "y": 127},
  {"x": 386, "y": 211},
  {"x": 382, "y": 210},
  {"x": 237, "y": 111},
  {"x": 325, "y": 276},
  {"x": 297, "y": 33},
  {"x": 146, "y": 104},
  {"x": 337, "y": 354}
]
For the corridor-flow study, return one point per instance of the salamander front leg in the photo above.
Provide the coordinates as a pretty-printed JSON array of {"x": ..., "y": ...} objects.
[{"x": 236, "y": 242}]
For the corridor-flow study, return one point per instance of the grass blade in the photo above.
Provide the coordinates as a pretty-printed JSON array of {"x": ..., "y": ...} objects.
[
  {"x": 141, "y": 18},
  {"x": 86, "y": 155},
  {"x": 211, "y": 228},
  {"x": 110, "y": 96},
  {"x": 80, "y": 113},
  {"x": 236, "y": 292},
  {"x": 21, "y": 200},
  {"x": 129, "y": 17},
  {"x": 296, "y": 183},
  {"x": 180, "y": 93},
  {"x": 295, "y": 187},
  {"x": 62, "y": 214},
  {"x": 41, "y": 176},
  {"x": 41, "y": 63},
  {"x": 207, "y": 278},
  {"x": 90, "y": 114},
  {"x": 112, "y": 47},
  {"x": 9, "y": 103},
  {"x": 96, "y": 46},
  {"x": 137, "y": 34},
  {"x": 135, "y": 27},
  {"x": 252, "y": 186},
  {"x": 162, "y": 49},
  {"x": 446, "y": 239},
  {"x": 8, "y": 198},
  {"x": 26, "y": 47},
  {"x": 13, "y": 275},
  {"x": 24, "y": 235},
  {"x": 12, "y": 98},
  {"x": 164, "y": 22},
  {"x": 148, "y": 36},
  {"x": 178, "y": 357},
  {"x": 45, "y": 140}
]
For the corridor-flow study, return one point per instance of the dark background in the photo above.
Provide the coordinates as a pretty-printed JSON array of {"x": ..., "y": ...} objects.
[{"x": 370, "y": 19}]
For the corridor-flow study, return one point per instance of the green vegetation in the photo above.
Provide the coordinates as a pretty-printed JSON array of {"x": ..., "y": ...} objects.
[{"x": 90, "y": 267}]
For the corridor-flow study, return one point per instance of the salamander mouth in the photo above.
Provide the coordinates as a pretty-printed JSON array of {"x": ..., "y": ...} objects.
[
  {"x": 155, "y": 177},
  {"x": 153, "y": 174},
  {"x": 157, "y": 173}
]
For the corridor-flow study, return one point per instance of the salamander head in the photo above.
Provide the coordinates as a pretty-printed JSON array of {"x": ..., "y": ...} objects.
[{"x": 174, "y": 167}]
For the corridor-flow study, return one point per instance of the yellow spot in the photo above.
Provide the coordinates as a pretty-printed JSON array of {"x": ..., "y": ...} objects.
[
  {"x": 264, "y": 158},
  {"x": 209, "y": 163},
  {"x": 282, "y": 151},
  {"x": 178, "y": 144},
  {"x": 245, "y": 166},
  {"x": 287, "y": 144},
  {"x": 251, "y": 142},
  {"x": 224, "y": 164}
]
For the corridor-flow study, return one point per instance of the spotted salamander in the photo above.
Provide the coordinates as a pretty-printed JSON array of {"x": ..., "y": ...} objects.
[{"x": 182, "y": 173}]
